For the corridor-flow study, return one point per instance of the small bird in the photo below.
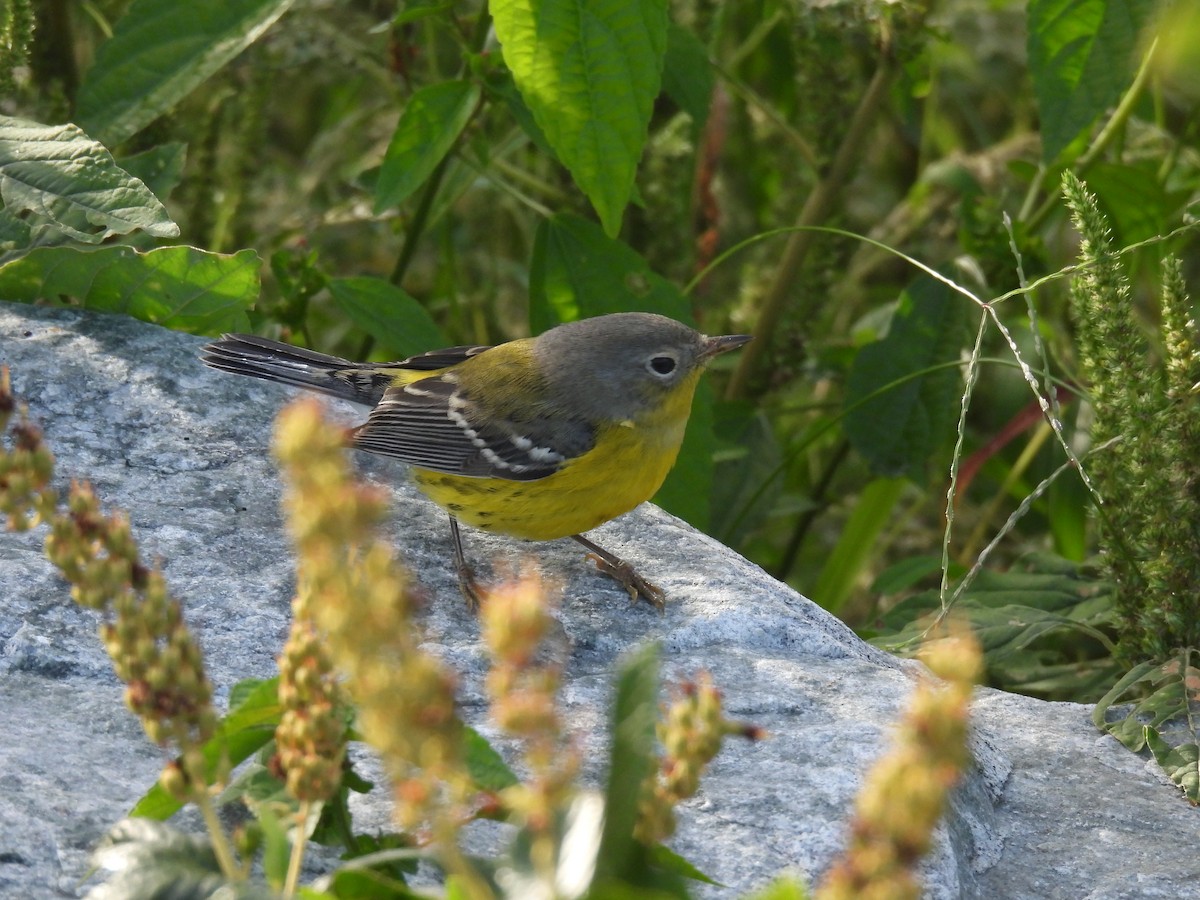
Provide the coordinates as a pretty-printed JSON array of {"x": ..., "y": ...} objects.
[{"x": 538, "y": 438}]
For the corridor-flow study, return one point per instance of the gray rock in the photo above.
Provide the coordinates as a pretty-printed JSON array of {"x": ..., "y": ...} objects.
[{"x": 1052, "y": 809}]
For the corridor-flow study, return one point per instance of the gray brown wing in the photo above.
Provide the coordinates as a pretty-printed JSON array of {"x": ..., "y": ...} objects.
[{"x": 433, "y": 424}]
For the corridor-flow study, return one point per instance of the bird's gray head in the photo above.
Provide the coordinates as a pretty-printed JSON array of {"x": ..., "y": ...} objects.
[{"x": 615, "y": 366}]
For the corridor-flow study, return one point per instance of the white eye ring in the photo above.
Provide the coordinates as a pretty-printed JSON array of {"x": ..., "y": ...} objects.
[{"x": 662, "y": 365}]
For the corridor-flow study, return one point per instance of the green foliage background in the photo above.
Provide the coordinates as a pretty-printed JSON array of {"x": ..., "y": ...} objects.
[{"x": 369, "y": 178}]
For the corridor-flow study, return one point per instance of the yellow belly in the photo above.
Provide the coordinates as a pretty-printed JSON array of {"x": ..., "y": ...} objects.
[{"x": 626, "y": 467}]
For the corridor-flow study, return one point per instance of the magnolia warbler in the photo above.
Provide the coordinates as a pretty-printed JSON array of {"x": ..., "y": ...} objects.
[{"x": 539, "y": 438}]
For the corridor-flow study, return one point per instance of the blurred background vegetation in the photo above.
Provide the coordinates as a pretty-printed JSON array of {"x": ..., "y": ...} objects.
[{"x": 938, "y": 131}]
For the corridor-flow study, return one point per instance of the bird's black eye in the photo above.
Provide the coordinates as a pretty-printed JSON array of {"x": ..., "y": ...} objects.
[{"x": 662, "y": 365}]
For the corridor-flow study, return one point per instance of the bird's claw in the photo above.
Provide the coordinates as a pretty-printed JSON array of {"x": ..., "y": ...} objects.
[
  {"x": 471, "y": 589},
  {"x": 638, "y": 587}
]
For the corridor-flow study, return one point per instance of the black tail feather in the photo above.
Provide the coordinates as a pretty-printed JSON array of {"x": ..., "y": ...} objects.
[
  {"x": 246, "y": 354},
  {"x": 257, "y": 357}
]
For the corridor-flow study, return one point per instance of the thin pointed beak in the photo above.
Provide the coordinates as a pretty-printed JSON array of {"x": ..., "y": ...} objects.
[{"x": 714, "y": 346}]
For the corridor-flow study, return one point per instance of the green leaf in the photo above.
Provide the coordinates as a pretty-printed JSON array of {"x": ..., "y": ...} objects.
[
  {"x": 251, "y": 691},
  {"x": 899, "y": 408},
  {"x": 1044, "y": 629},
  {"x": 589, "y": 71},
  {"x": 14, "y": 232},
  {"x": 688, "y": 77},
  {"x": 631, "y": 759},
  {"x": 430, "y": 124},
  {"x": 1081, "y": 57},
  {"x": 66, "y": 182},
  {"x": 378, "y": 874},
  {"x": 384, "y": 311},
  {"x": 1182, "y": 763},
  {"x": 178, "y": 287},
  {"x": 1133, "y": 200},
  {"x": 158, "y": 55},
  {"x": 488, "y": 770},
  {"x": 1164, "y": 716},
  {"x": 663, "y": 857},
  {"x": 579, "y": 272},
  {"x": 370, "y": 884}
]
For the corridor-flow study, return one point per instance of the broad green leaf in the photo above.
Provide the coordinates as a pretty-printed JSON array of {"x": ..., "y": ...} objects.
[
  {"x": 159, "y": 53},
  {"x": 579, "y": 272},
  {"x": 631, "y": 759},
  {"x": 1047, "y": 595},
  {"x": 376, "y": 869},
  {"x": 65, "y": 181},
  {"x": 178, "y": 287},
  {"x": 1081, "y": 57},
  {"x": 589, "y": 71},
  {"x": 1164, "y": 716},
  {"x": 663, "y": 857},
  {"x": 14, "y": 233},
  {"x": 370, "y": 884},
  {"x": 872, "y": 513},
  {"x": 387, "y": 313},
  {"x": 430, "y": 124},
  {"x": 688, "y": 76},
  {"x": 1132, "y": 199},
  {"x": 1044, "y": 631},
  {"x": 1182, "y": 763},
  {"x": 488, "y": 770},
  {"x": 251, "y": 691},
  {"x": 899, "y": 407}
]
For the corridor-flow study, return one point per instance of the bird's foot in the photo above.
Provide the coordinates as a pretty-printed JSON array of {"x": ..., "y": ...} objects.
[
  {"x": 623, "y": 573},
  {"x": 637, "y": 586}
]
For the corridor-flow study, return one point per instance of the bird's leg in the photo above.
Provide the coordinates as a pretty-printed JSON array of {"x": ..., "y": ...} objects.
[
  {"x": 623, "y": 573},
  {"x": 466, "y": 578}
]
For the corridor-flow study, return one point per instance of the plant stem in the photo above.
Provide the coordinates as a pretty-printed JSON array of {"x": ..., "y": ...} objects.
[
  {"x": 341, "y": 818},
  {"x": 226, "y": 858},
  {"x": 816, "y": 209},
  {"x": 420, "y": 218},
  {"x": 820, "y": 489},
  {"x": 298, "y": 848}
]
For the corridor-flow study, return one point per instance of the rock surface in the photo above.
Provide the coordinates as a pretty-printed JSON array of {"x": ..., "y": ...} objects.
[{"x": 1052, "y": 809}]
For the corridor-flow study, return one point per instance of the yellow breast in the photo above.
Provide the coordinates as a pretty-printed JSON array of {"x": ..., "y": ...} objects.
[{"x": 626, "y": 467}]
